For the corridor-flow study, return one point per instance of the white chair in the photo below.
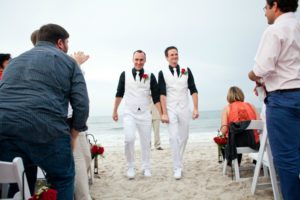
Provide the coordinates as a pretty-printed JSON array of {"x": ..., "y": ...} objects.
[
  {"x": 40, "y": 174},
  {"x": 265, "y": 162},
  {"x": 264, "y": 157},
  {"x": 254, "y": 125},
  {"x": 5, "y": 189},
  {"x": 12, "y": 172}
]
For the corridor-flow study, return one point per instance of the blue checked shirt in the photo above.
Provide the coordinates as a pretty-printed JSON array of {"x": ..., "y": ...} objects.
[{"x": 34, "y": 94}]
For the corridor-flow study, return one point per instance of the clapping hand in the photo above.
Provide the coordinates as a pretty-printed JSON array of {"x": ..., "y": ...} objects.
[{"x": 80, "y": 57}]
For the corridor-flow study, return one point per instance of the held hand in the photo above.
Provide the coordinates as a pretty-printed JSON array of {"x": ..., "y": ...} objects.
[
  {"x": 165, "y": 118},
  {"x": 115, "y": 116},
  {"x": 195, "y": 114},
  {"x": 80, "y": 57}
]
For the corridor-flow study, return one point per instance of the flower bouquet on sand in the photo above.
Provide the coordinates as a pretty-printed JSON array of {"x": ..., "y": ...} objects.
[
  {"x": 96, "y": 150},
  {"x": 221, "y": 141},
  {"x": 44, "y": 193},
  {"x": 43, "y": 190}
]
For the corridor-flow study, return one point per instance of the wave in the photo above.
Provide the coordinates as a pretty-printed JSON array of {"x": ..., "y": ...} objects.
[{"x": 116, "y": 128}]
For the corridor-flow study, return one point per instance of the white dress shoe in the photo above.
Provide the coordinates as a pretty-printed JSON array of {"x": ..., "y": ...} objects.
[
  {"x": 177, "y": 174},
  {"x": 131, "y": 173},
  {"x": 147, "y": 173}
]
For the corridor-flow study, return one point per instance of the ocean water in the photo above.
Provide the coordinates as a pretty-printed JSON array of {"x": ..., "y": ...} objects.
[{"x": 110, "y": 133}]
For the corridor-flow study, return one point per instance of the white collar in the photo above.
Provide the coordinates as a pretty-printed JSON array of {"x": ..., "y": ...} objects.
[{"x": 285, "y": 16}]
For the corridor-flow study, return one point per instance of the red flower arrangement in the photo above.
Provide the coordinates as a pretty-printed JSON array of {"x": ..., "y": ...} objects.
[
  {"x": 145, "y": 77},
  {"x": 44, "y": 193},
  {"x": 96, "y": 150},
  {"x": 183, "y": 72},
  {"x": 220, "y": 140}
]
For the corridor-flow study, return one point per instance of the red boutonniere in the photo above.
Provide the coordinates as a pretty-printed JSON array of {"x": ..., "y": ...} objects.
[
  {"x": 183, "y": 72},
  {"x": 145, "y": 77},
  {"x": 45, "y": 193}
]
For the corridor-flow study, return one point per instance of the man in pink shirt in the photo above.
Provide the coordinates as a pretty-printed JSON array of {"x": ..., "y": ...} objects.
[{"x": 277, "y": 67}]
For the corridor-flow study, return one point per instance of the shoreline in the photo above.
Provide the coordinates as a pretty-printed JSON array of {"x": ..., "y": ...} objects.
[{"x": 117, "y": 140}]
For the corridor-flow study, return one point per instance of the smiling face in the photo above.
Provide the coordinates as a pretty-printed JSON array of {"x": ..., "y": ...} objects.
[
  {"x": 139, "y": 60},
  {"x": 172, "y": 57}
]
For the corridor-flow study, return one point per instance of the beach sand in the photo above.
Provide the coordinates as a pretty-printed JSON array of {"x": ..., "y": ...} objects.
[{"x": 202, "y": 178}]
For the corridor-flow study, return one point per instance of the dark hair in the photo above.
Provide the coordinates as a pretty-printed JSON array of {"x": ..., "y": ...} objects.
[
  {"x": 139, "y": 51},
  {"x": 52, "y": 33},
  {"x": 4, "y": 57},
  {"x": 34, "y": 37},
  {"x": 284, "y": 5},
  {"x": 168, "y": 49}
]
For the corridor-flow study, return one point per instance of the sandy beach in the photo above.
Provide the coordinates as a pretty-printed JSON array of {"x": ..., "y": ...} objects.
[{"x": 202, "y": 179}]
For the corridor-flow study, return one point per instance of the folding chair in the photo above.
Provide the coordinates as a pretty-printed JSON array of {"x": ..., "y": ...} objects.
[
  {"x": 13, "y": 172},
  {"x": 254, "y": 125},
  {"x": 265, "y": 158},
  {"x": 40, "y": 174}
]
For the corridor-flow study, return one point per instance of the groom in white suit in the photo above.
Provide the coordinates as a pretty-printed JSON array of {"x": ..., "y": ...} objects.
[
  {"x": 135, "y": 86},
  {"x": 174, "y": 83}
]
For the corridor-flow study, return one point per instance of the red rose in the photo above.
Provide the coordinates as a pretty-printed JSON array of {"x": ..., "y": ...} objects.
[
  {"x": 221, "y": 140},
  {"x": 145, "y": 76},
  {"x": 101, "y": 150},
  {"x": 45, "y": 194},
  {"x": 97, "y": 149},
  {"x": 183, "y": 72},
  {"x": 48, "y": 195},
  {"x": 94, "y": 149}
]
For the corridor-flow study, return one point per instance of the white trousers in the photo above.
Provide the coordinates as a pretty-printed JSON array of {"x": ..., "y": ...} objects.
[
  {"x": 82, "y": 158},
  {"x": 140, "y": 122},
  {"x": 178, "y": 128}
]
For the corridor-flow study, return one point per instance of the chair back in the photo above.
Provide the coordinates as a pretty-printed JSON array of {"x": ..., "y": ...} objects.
[
  {"x": 12, "y": 172},
  {"x": 256, "y": 125}
]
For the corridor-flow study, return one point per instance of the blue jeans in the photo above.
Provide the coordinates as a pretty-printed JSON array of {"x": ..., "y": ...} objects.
[
  {"x": 55, "y": 158},
  {"x": 283, "y": 124}
]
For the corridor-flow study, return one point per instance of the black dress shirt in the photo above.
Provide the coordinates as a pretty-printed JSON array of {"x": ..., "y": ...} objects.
[
  {"x": 162, "y": 83},
  {"x": 153, "y": 85}
]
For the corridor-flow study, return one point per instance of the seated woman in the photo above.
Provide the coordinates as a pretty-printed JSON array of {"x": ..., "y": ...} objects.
[{"x": 237, "y": 110}]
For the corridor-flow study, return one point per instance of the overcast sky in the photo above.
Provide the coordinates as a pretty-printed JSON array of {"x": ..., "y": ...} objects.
[{"x": 217, "y": 40}]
